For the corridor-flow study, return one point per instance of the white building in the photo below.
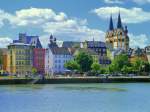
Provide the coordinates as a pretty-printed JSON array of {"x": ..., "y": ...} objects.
[
  {"x": 148, "y": 53},
  {"x": 55, "y": 59}
]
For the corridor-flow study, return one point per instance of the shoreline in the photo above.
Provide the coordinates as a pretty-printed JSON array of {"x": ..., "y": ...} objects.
[{"x": 76, "y": 80}]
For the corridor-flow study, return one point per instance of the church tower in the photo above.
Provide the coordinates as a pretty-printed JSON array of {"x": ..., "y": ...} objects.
[{"x": 117, "y": 38}]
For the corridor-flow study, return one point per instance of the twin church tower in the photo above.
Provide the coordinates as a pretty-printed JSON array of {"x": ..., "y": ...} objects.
[{"x": 117, "y": 38}]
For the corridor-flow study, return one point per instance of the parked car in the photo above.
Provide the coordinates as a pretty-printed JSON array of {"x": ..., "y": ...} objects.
[
  {"x": 4, "y": 74},
  {"x": 131, "y": 75}
]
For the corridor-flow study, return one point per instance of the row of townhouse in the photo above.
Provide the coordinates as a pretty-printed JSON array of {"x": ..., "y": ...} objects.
[
  {"x": 27, "y": 52},
  {"x": 56, "y": 56},
  {"x": 24, "y": 54}
]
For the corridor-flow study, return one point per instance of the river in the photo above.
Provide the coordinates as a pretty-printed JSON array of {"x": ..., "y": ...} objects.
[{"x": 109, "y": 97}]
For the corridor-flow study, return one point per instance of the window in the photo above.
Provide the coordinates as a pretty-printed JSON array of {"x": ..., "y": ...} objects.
[
  {"x": 59, "y": 61},
  {"x": 55, "y": 61},
  {"x": 59, "y": 66}
]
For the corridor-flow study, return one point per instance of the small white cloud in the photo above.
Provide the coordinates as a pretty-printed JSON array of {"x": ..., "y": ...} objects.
[
  {"x": 4, "y": 41},
  {"x": 141, "y": 2},
  {"x": 132, "y": 15},
  {"x": 141, "y": 40},
  {"x": 113, "y": 1}
]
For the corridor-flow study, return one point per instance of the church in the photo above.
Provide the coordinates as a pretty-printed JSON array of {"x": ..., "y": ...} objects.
[{"x": 117, "y": 38}]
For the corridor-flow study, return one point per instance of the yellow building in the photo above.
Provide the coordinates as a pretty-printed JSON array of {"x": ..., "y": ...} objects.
[
  {"x": 117, "y": 38},
  {"x": 138, "y": 54},
  {"x": 6, "y": 61},
  {"x": 20, "y": 58}
]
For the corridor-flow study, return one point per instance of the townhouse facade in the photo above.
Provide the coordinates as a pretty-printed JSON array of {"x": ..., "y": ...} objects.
[
  {"x": 56, "y": 57},
  {"x": 20, "y": 58},
  {"x": 38, "y": 53},
  {"x": 55, "y": 60},
  {"x": 100, "y": 48}
]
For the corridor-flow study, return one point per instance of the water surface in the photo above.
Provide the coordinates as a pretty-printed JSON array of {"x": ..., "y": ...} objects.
[{"x": 129, "y": 97}]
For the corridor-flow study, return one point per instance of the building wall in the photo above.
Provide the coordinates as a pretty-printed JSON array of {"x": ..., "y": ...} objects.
[
  {"x": 20, "y": 59},
  {"x": 6, "y": 62},
  {"x": 134, "y": 58},
  {"x": 39, "y": 59},
  {"x": 117, "y": 39},
  {"x": 55, "y": 63},
  {"x": 148, "y": 53},
  {"x": 59, "y": 61},
  {"x": 48, "y": 62}
]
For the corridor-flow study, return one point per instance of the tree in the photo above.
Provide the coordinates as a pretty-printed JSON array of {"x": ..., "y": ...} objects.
[
  {"x": 72, "y": 65},
  {"x": 34, "y": 70},
  {"x": 137, "y": 65},
  {"x": 84, "y": 60},
  {"x": 118, "y": 63},
  {"x": 95, "y": 67},
  {"x": 127, "y": 69},
  {"x": 146, "y": 67}
]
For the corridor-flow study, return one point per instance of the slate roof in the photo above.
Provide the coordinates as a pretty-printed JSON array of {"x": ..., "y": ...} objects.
[
  {"x": 33, "y": 40},
  {"x": 96, "y": 44},
  {"x": 89, "y": 51},
  {"x": 52, "y": 45},
  {"x": 36, "y": 42},
  {"x": 70, "y": 44},
  {"x": 60, "y": 51},
  {"x": 111, "y": 27}
]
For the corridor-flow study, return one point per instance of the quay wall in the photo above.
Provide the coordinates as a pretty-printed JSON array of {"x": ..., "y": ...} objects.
[{"x": 72, "y": 80}]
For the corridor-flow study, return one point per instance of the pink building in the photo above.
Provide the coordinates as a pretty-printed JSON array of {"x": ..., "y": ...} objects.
[{"x": 39, "y": 59}]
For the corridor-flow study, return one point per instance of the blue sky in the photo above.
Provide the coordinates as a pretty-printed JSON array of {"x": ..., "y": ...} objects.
[{"x": 76, "y": 20}]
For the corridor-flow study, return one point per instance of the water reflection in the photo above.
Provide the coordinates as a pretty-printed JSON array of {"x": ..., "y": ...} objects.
[
  {"x": 13, "y": 88},
  {"x": 91, "y": 87},
  {"x": 75, "y": 98}
]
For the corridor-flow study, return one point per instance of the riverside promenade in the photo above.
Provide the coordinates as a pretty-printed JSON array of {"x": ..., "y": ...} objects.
[{"x": 74, "y": 80}]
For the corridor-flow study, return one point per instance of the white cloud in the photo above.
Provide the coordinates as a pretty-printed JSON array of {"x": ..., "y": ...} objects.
[
  {"x": 133, "y": 15},
  {"x": 141, "y": 40},
  {"x": 141, "y": 2},
  {"x": 5, "y": 41},
  {"x": 113, "y": 1},
  {"x": 67, "y": 28},
  {"x": 49, "y": 21},
  {"x": 36, "y": 16}
]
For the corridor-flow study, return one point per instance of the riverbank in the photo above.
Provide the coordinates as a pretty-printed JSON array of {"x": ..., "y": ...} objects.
[{"x": 70, "y": 80}]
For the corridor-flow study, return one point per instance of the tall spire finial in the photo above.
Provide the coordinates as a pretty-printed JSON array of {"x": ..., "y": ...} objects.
[
  {"x": 111, "y": 26},
  {"x": 119, "y": 23}
]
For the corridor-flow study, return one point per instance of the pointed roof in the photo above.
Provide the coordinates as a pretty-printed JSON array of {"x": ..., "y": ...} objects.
[
  {"x": 119, "y": 23},
  {"x": 111, "y": 26},
  {"x": 36, "y": 42},
  {"x": 51, "y": 36}
]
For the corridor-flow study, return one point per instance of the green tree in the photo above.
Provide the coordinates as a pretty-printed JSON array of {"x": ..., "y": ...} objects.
[
  {"x": 137, "y": 65},
  {"x": 95, "y": 67},
  {"x": 84, "y": 60},
  {"x": 127, "y": 69},
  {"x": 118, "y": 63},
  {"x": 34, "y": 70},
  {"x": 146, "y": 67},
  {"x": 72, "y": 65}
]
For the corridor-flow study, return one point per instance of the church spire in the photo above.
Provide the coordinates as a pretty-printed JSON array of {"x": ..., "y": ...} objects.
[
  {"x": 111, "y": 27},
  {"x": 119, "y": 24}
]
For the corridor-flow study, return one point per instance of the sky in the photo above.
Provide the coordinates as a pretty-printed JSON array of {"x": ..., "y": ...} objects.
[{"x": 73, "y": 20}]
